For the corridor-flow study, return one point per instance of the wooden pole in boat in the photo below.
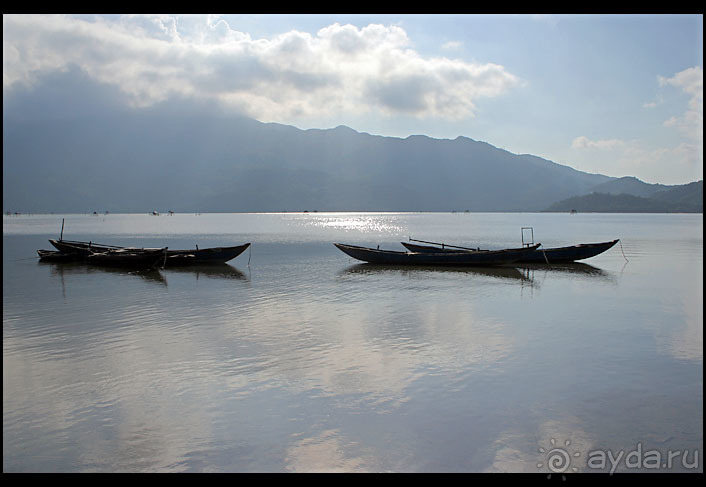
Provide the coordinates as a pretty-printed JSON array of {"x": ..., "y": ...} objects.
[
  {"x": 61, "y": 237},
  {"x": 441, "y": 243}
]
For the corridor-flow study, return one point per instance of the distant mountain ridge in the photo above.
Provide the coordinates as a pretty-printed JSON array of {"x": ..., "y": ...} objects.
[
  {"x": 629, "y": 185},
  {"x": 686, "y": 198},
  {"x": 169, "y": 157}
]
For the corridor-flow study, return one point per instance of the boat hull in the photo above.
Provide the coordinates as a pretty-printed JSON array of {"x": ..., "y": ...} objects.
[
  {"x": 559, "y": 255},
  {"x": 216, "y": 255},
  {"x": 141, "y": 259},
  {"x": 563, "y": 255},
  {"x": 391, "y": 257},
  {"x": 56, "y": 256},
  {"x": 112, "y": 258}
]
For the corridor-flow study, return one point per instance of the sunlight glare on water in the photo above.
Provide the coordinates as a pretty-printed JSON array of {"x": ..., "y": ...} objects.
[{"x": 364, "y": 223}]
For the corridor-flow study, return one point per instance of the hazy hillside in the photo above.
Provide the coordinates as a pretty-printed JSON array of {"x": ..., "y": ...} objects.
[
  {"x": 94, "y": 155},
  {"x": 164, "y": 158},
  {"x": 686, "y": 198},
  {"x": 689, "y": 197},
  {"x": 629, "y": 185}
]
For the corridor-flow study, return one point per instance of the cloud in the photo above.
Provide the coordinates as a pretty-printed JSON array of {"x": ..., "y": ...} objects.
[
  {"x": 584, "y": 142},
  {"x": 690, "y": 80},
  {"x": 691, "y": 122},
  {"x": 340, "y": 68},
  {"x": 618, "y": 157},
  {"x": 452, "y": 45},
  {"x": 653, "y": 104}
]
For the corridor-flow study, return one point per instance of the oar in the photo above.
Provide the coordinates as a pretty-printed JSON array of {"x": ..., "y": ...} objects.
[{"x": 442, "y": 244}]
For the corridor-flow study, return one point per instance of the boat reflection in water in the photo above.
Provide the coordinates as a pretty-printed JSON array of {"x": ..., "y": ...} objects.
[
  {"x": 574, "y": 271},
  {"x": 63, "y": 269},
  {"x": 213, "y": 271},
  {"x": 570, "y": 268},
  {"x": 532, "y": 275},
  {"x": 495, "y": 271}
]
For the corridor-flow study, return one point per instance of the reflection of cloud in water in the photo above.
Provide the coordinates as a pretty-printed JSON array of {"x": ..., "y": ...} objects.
[
  {"x": 326, "y": 453},
  {"x": 357, "y": 353},
  {"x": 519, "y": 452},
  {"x": 137, "y": 419},
  {"x": 683, "y": 339}
]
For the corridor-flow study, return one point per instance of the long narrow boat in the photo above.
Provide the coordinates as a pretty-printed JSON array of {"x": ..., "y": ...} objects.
[
  {"x": 556, "y": 255},
  {"x": 215, "y": 255},
  {"x": 56, "y": 256},
  {"x": 129, "y": 258},
  {"x": 87, "y": 247},
  {"x": 392, "y": 257},
  {"x": 134, "y": 258}
]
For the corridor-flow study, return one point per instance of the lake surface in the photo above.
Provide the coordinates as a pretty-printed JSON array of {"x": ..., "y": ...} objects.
[{"x": 296, "y": 358}]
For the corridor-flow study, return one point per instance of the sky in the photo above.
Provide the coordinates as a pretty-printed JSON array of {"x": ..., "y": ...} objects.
[{"x": 620, "y": 95}]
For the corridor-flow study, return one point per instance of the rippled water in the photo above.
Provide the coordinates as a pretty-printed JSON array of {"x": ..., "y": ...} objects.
[{"x": 296, "y": 358}]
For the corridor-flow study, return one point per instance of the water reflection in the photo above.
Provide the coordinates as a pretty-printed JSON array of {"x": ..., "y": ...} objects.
[
  {"x": 214, "y": 271},
  {"x": 326, "y": 452},
  {"x": 62, "y": 269},
  {"x": 312, "y": 365},
  {"x": 537, "y": 274},
  {"x": 382, "y": 223},
  {"x": 578, "y": 268},
  {"x": 532, "y": 448},
  {"x": 497, "y": 272},
  {"x": 682, "y": 336},
  {"x": 523, "y": 272}
]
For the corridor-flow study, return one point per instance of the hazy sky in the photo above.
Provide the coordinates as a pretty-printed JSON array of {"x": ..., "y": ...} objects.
[{"x": 612, "y": 94}]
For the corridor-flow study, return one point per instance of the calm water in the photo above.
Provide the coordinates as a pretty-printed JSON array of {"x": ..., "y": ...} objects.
[{"x": 296, "y": 358}]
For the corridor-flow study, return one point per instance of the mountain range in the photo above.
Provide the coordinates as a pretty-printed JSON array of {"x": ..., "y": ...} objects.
[
  {"x": 166, "y": 158},
  {"x": 638, "y": 197}
]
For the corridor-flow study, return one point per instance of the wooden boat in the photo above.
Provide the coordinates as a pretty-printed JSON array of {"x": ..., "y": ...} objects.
[
  {"x": 215, "y": 255},
  {"x": 459, "y": 258},
  {"x": 56, "y": 256},
  {"x": 141, "y": 258},
  {"x": 129, "y": 258},
  {"x": 540, "y": 256},
  {"x": 572, "y": 253},
  {"x": 84, "y": 248}
]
